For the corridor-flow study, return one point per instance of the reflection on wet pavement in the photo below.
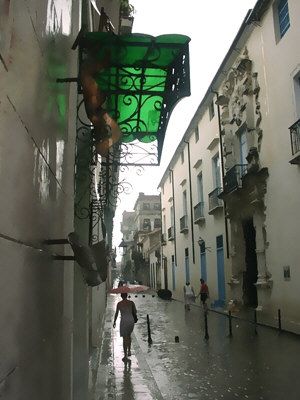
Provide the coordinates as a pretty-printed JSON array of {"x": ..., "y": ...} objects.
[{"x": 246, "y": 366}]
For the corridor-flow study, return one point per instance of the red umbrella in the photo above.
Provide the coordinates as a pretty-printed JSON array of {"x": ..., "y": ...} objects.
[{"x": 129, "y": 289}]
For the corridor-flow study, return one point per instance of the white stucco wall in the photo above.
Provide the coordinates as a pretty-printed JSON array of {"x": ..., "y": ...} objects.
[
  {"x": 213, "y": 224},
  {"x": 277, "y": 64}
]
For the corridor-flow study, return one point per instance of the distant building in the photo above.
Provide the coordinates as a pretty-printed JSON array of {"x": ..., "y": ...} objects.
[
  {"x": 141, "y": 231},
  {"x": 128, "y": 226},
  {"x": 147, "y": 213}
]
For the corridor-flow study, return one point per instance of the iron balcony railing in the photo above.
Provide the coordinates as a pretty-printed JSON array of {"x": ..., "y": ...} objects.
[
  {"x": 295, "y": 137},
  {"x": 213, "y": 199},
  {"x": 183, "y": 224},
  {"x": 171, "y": 233},
  {"x": 233, "y": 177},
  {"x": 199, "y": 211}
]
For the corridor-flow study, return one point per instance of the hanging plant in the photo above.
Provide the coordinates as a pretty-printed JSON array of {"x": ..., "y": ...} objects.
[{"x": 126, "y": 9}]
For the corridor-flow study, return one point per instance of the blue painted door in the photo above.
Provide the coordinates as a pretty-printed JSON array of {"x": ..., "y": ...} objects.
[
  {"x": 173, "y": 273},
  {"x": 220, "y": 270},
  {"x": 187, "y": 265},
  {"x": 203, "y": 271}
]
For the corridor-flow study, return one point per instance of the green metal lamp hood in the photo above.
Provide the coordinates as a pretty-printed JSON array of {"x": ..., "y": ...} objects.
[{"x": 145, "y": 78}]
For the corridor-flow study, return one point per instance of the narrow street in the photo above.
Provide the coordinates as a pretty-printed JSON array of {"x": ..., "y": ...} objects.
[{"x": 246, "y": 366}]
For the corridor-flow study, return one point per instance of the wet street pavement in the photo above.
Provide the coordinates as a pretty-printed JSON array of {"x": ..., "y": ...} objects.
[{"x": 246, "y": 366}]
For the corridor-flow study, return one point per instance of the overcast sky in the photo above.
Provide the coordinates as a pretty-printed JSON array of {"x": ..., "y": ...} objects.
[{"x": 212, "y": 25}]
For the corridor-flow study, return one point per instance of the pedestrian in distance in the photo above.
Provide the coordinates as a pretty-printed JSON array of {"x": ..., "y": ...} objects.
[
  {"x": 189, "y": 295},
  {"x": 128, "y": 313},
  {"x": 204, "y": 293}
]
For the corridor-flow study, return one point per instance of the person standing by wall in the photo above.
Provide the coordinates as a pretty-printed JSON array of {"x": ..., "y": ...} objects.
[
  {"x": 189, "y": 295},
  {"x": 204, "y": 293}
]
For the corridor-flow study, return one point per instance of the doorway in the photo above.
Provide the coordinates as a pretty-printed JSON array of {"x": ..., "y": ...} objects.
[
  {"x": 187, "y": 265},
  {"x": 173, "y": 273},
  {"x": 166, "y": 273},
  {"x": 203, "y": 269},
  {"x": 250, "y": 274},
  {"x": 220, "y": 270}
]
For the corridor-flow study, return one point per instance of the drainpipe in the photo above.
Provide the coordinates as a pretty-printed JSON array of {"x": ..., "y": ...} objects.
[
  {"x": 223, "y": 174},
  {"x": 191, "y": 202},
  {"x": 175, "y": 250}
]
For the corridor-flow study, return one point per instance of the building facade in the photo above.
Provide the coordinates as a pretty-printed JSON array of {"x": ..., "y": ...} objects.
[
  {"x": 147, "y": 213},
  {"x": 234, "y": 220},
  {"x": 141, "y": 231},
  {"x": 50, "y": 318}
]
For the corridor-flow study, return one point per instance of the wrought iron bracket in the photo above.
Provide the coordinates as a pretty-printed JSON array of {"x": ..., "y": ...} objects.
[
  {"x": 65, "y": 258},
  {"x": 55, "y": 241},
  {"x": 65, "y": 80}
]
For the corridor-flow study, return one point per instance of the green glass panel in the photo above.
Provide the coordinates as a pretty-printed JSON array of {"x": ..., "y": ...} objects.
[
  {"x": 136, "y": 49},
  {"x": 149, "y": 79},
  {"x": 140, "y": 81}
]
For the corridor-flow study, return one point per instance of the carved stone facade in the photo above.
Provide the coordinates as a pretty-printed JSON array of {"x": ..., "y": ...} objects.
[{"x": 244, "y": 185}]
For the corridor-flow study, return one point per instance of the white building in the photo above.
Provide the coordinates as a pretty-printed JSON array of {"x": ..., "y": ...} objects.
[{"x": 242, "y": 146}]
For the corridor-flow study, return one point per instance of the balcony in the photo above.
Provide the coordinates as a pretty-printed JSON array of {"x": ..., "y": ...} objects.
[
  {"x": 199, "y": 212},
  {"x": 213, "y": 200},
  {"x": 295, "y": 142},
  {"x": 171, "y": 234},
  {"x": 233, "y": 177},
  {"x": 184, "y": 224}
]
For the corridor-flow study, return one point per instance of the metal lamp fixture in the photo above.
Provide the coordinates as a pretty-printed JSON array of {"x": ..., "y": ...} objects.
[
  {"x": 201, "y": 243},
  {"x": 123, "y": 243}
]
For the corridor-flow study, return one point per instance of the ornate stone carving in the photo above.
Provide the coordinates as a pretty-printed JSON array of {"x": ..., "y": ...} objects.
[
  {"x": 256, "y": 92},
  {"x": 240, "y": 106},
  {"x": 239, "y": 103}
]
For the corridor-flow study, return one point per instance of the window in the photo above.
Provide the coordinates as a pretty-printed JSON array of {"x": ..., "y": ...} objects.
[
  {"x": 172, "y": 216},
  {"x": 146, "y": 206},
  {"x": 146, "y": 224},
  {"x": 297, "y": 94},
  {"x": 156, "y": 206},
  {"x": 202, "y": 247},
  {"x": 243, "y": 147},
  {"x": 157, "y": 223},
  {"x": 283, "y": 17},
  {"x": 182, "y": 157},
  {"x": 187, "y": 264},
  {"x": 200, "y": 188},
  {"x": 196, "y": 134},
  {"x": 211, "y": 110},
  {"x": 173, "y": 272},
  {"x": 219, "y": 242},
  {"x": 216, "y": 171},
  {"x": 184, "y": 203}
]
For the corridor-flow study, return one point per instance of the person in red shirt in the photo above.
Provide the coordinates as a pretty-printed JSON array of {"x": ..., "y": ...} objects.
[{"x": 204, "y": 293}]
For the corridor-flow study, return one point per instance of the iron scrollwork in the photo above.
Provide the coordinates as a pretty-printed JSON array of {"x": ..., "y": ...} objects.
[{"x": 87, "y": 204}]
